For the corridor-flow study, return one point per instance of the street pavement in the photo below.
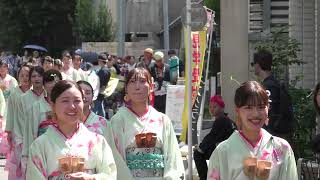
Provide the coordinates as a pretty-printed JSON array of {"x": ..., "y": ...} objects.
[{"x": 3, "y": 174}]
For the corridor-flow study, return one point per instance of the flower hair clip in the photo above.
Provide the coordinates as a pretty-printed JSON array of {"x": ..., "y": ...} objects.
[{"x": 55, "y": 77}]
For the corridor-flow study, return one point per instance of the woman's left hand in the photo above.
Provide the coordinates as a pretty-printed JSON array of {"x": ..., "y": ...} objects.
[{"x": 81, "y": 176}]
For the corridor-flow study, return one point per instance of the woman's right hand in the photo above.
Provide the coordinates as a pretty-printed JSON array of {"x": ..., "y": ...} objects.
[{"x": 81, "y": 176}]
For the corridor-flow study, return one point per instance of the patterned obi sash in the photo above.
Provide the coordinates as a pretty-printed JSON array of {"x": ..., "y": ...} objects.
[{"x": 145, "y": 162}]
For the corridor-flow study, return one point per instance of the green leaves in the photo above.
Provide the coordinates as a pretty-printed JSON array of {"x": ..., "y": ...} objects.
[
  {"x": 284, "y": 50},
  {"x": 93, "y": 25},
  {"x": 305, "y": 115},
  {"x": 38, "y": 22}
]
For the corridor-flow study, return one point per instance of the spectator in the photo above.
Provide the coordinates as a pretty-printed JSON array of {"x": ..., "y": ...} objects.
[
  {"x": 68, "y": 72},
  {"x": 25, "y": 58},
  {"x": 77, "y": 61},
  {"x": 102, "y": 60},
  {"x": 131, "y": 62},
  {"x": 147, "y": 61},
  {"x": 111, "y": 66},
  {"x": 221, "y": 129},
  {"x": 93, "y": 79},
  {"x": 161, "y": 75},
  {"x": 12, "y": 62},
  {"x": 174, "y": 66},
  {"x": 36, "y": 59},
  {"x": 280, "y": 123},
  {"x": 104, "y": 77},
  {"x": 57, "y": 65},
  {"x": 116, "y": 61},
  {"x": 47, "y": 63}
]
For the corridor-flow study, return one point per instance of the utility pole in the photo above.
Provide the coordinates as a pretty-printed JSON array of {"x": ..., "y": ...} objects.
[
  {"x": 121, "y": 31},
  {"x": 189, "y": 90},
  {"x": 166, "y": 35}
]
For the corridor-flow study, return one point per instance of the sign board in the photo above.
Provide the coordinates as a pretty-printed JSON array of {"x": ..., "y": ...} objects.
[
  {"x": 198, "y": 17},
  {"x": 174, "y": 106}
]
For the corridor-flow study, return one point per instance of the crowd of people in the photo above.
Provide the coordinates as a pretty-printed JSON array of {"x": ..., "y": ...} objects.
[
  {"x": 57, "y": 121},
  {"x": 58, "y": 125}
]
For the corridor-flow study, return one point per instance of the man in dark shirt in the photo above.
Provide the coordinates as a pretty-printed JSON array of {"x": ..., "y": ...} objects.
[
  {"x": 104, "y": 77},
  {"x": 221, "y": 129},
  {"x": 262, "y": 62}
]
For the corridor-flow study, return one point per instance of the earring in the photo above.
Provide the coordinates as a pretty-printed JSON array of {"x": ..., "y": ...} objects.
[
  {"x": 238, "y": 123},
  {"x": 54, "y": 117},
  {"x": 82, "y": 117},
  {"x": 267, "y": 122},
  {"x": 126, "y": 98}
]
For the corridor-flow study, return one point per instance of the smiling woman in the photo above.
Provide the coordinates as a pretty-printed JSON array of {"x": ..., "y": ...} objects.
[
  {"x": 67, "y": 103},
  {"x": 144, "y": 137},
  {"x": 252, "y": 152},
  {"x": 74, "y": 151}
]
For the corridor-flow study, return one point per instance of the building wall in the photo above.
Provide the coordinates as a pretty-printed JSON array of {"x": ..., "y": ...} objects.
[
  {"x": 279, "y": 10},
  {"x": 146, "y": 16},
  {"x": 302, "y": 22},
  {"x": 234, "y": 49},
  {"x": 131, "y": 48},
  {"x": 295, "y": 31}
]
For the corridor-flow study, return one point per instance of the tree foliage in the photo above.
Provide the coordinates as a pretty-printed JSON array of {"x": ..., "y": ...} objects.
[
  {"x": 48, "y": 23},
  {"x": 91, "y": 25},
  {"x": 305, "y": 116},
  {"x": 285, "y": 52}
]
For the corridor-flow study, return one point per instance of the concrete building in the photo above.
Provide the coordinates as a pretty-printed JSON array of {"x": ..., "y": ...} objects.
[
  {"x": 304, "y": 20},
  {"x": 144, "y": 21},
  {"x": 234, "y": 49}
]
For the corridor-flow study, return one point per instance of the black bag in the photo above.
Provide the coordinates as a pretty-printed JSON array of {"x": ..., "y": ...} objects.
[{"x": 285, "y": 122}]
